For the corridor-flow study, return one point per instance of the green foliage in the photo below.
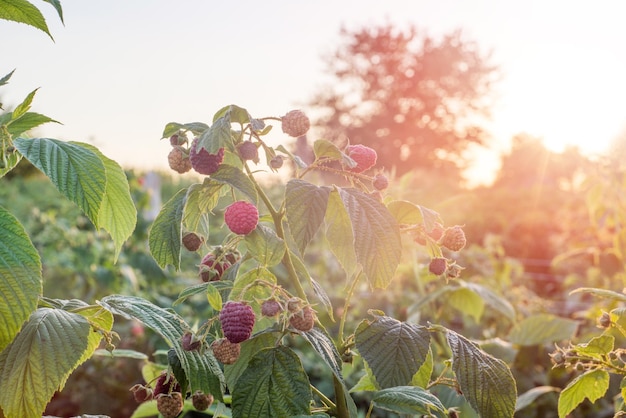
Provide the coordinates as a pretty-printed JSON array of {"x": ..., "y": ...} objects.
[{"x": 22, "y": 11}]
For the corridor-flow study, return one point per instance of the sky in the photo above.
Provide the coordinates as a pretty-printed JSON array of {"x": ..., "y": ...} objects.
[{"x": 117, "y": 72}]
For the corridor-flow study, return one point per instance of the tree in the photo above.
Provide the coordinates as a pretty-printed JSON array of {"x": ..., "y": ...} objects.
[{"x": 416, "y": 100}]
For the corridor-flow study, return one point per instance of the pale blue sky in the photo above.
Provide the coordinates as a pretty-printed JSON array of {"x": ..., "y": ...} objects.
[{"x": 119, "y": 70}]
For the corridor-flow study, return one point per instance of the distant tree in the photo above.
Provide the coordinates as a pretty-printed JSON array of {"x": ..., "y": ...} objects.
[{"x": 418, "y": 101}]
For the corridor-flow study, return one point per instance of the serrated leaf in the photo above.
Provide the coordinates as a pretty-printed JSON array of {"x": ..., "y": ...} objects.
[
  {"x": 245, "y": 289},
  {"x": 200, "y": 288},
  {"x": 590, "y": 385},
  {"x": 265, "y": 246},
  {"x": 171, "y": 128},
  {"x": 239, "y": 115},
  {"x": 409, "y": 400},
  {"x": 118, "y": 215},
  {"x": 177, "y": 368},
  {"x": 121, "y": 353},
  {"x": 597, "y": 347},
  {"x": 542, "y": 329},
  {"x": 527, "y": 398},
  {"x": 5, "y": 79},
  {"x": 339, "y": 234},
  {"x": 305, "y": 206},
  {"x": 297, "y": 160},
  {"x": 367, "y": 382},
  {"x": 200, "y": 201},
  {"x": 376, "y": 236},
  {"x": 48, "y": 348},
  {"x": 20, "y": 277},
  {"x": 466, "y": 301},
  {"x": 165, "y": 234},
  {"x": 273, "y": 385},
  {"x": 248, "y": 349},
  {"x": 22, "y": 11},
  {"x": 324, "y": 149},
  {"x": 26, "y": 122},
  {"x": 75, "y": 170},
  {"x": 324, "y": 346},
  {"x": 214, "y": 297},
  {"x": 394, "y": 350},
  {"x": 217, "y": 136},
  {"x": 57, "y": 6},
  {"x": 101, "y": 320},
  {"x": 486, "y": 382},
  {"x": 603, "y": 293},
  {"x": 234, "y": 177},
  {"x": 202, "y": 369},
  {"x": 23, "y": 107},
  {"x": 422, "y": 377},
  {"x": 323, "y": 297},
  {"x": 493, "y": 300}
]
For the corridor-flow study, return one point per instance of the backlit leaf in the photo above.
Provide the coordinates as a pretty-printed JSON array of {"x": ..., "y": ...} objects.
[
  {"x": 236, "y": 178},
  {"x": 265, "y": 246},
  {"x": 165, "y": 234},
  {"x": 305, "y": 205},
  {"x": 339, "y": 234},
  {"x": 26, "y": 122},
  {"x": 590, "y": 385},
  {"x": 409, "y": 400},
  {"x": 542, "y": 329},
  {"x": 22, "y": 11}
]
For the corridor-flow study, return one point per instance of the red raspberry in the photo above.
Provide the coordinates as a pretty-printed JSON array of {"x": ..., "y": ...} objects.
[
  {"x": 202, "y": 161},
  {"x": 177, "y": 139},
  {"x": 453, "y": 238},
  {"x": 271, "y": 307},
  {"x": 190, "y": 342},
  {"x": 241, "y": 217},
  {"x": 276, "y": 162},
  {"x": 438, "y": 266},
  {"x": 170, "y": 405},
  {"x": 437, "y": 232},
  {"x": 178, "y": 160},
  {"x": 237, "y": 320},
  {"x": 365, "y": 157},
  {"x": 225, "y": 351},
  {"x": 201, "y": 401},
  {"x": 295, "y": 123},
  {"x": 304, "y": 320},
  {"x": 380, "y": 182},
  {"x": 248, "y": 151},
  {"x": 192, "y": 241},
  {"x": 165, "y": 383},
  {"x": 210, "y": 269},
  {"x": 141, "y": 393}
]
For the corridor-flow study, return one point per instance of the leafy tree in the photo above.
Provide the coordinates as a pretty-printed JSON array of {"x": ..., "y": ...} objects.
[{"x": 416, "y": 100}]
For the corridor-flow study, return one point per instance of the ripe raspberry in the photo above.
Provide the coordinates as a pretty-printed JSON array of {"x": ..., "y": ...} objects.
[
  {"x": 170, "y": 405},
  {"x": 211, "y": 270},
  {"x": 177, "y": 139},
  {"x": 201, "y": 401},
  {"x": 202, "y": 161},
  {"x": 276, "y": 162},
  {"x": 380, "y": 182},
  {"x": 248, "y": 151},
  {"x": 192, "y": 241},
  {"x": 271, "y": 307},
  {"x": 303, "y": 320},
  {"x": 365, "y": 157},
  {"x": 437, "y": 232},
  {"x": 232, "y": 256},
  {"x": 190, "y": 342},
  {"x": 241, "y": 217},
  {"x": 178, "y": 160},
  {"x": 453, "y": 238},
  {"x": 165, "y": 383},
  {"x": 141, "y": 393},
  {"x": 225, "y": 351},
  {"x": 295, "y": 123},
  {"x": 438, "y": 266},
  {"x": 237, "y": 320}
]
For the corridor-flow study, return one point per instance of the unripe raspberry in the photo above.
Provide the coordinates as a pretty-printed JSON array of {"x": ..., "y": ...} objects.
[
  {"x": 437, "y": 232},
  {"x": 453, "y": 238},
  {"x": 295, "y": 123},
  {"x": 294, "y": 304},
  {"x": 202, "y": 161},
  {"x": 271, "y": 307},
  {"x": 380, "y": 182},
  {"x": 276, "y": 162},
  {"x": 211, "y": 270},
  {"x": 190, "y": 342},
  {"x": 438, "y": 266},
  {"x": 241, "y": 217},
  {"x": 454, "y": 271},
  {"x": 605, "y": 320},
  {"x": 225, "y": 351},
  {"x": 237, "y": 321},
  {"x": 170, "y": 405},
  {"x": 201, "y": 401},
  {"x": 165, "y": 383},
  {"x": 178, "y": 160},
  {"x": 141, "y": 393},
  {"x": 248, "y": 151},
  {"x": 365, "y": 157},
  {"x": 192, "y": 241},
  {"x": 304, "y": 320},
  {"x": 177, "y": 139}
]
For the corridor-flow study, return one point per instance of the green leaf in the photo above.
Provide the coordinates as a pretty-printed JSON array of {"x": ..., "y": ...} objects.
[
  {"x": 22, "y": 11},
  {"x": 237, "y": 179},
  {"x": 493, "y": 300},
  {"x": 527, "y": 398},
  {"x": 324, "y": 149},
  {"x": 409, "y": 400},
  {"x": 394, "y": 350},
  {"x": 322, "y": 343},
  {"x": 305, "y": 206},
  {"x": 542, "y": 329},
  {"x": 201, "y": 288},
  {"x": 217, "y": 136},
  {"x": 200, "y": 201},
  {"x": 49, "y": 347},
  {"x": 214, "y": 297},
  {"x": 177, "y": 368},
  {"x": 603, "y": 293},
  {"x": 376, "y": 236},
  {"x": 57, "y": 6},
  {"x": 26, "y": 122},
  {"x": 243, "y": 288},
  {"x": 165, "y": 234},
  {"x": 248, "y": 349},
  {"x": 20, "y": 277},
  {"x": 4, "y": 80},
  {"x": 466, "y": 301},
  {"x": 202, "y": 369},
  {"x": 118, "y": 215},
  {"x": 121, "y": 353},
  {"x": 323, "y": 297},
  {"x": 486, "y": 382},
  {"x": 411, "y": 214},
  {"x": 273, "y": 385},
  {"x": 297, "y": 160},
  {"x": 367, "y": 382},
  {"x": 76, "y": 171},
  {"x": 591, "y": 385},
  {"x": 339, "y": 234},
  {"x": 597, "y": 347},
  {"x": 265, "y": 246},
  {"x": 422, "y": 377},
  {"x": 23, "y": 107}
]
